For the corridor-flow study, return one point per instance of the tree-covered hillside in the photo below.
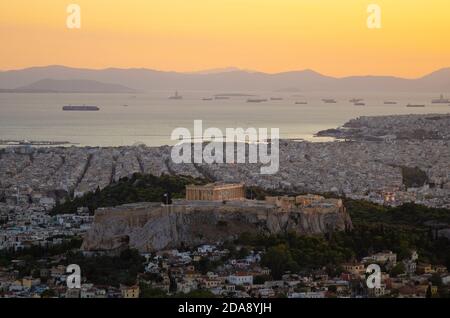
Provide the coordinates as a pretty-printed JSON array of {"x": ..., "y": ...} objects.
[{"x": 137, "y": 188}]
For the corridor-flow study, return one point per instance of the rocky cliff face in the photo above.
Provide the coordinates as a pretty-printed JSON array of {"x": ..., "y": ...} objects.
[{"x": 150, "y": 226}]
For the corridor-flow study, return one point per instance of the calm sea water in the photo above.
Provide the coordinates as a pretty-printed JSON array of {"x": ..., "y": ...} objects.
[{"x": 150, "y": 118}]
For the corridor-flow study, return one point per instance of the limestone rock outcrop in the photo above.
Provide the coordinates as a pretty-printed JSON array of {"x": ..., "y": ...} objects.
[{"x": 152, "y": 226}]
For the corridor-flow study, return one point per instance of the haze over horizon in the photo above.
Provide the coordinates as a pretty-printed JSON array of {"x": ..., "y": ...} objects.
[
  {"x": 60, "y": 78},
  {"x": 221, "y": 70},
  {"x": 330, "y": 37}
]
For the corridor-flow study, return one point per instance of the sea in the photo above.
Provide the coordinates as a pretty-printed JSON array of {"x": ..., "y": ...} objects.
[{"x": 150, "y": 118}]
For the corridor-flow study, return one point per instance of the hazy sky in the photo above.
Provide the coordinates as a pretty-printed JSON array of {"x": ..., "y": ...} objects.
[{"x": 329, "y": 36}]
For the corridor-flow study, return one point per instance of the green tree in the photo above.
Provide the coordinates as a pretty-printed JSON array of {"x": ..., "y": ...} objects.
[
  {"x": 243, "y": 253},
  {"x": 261, "y": 279},
  {"x": 147, "y": 291},
  {"x": 279, "y": 260},
  {"x": 398, "y": 270},
  {"x": 48, "y": 293},
  {"x": 436, "y": 280}
]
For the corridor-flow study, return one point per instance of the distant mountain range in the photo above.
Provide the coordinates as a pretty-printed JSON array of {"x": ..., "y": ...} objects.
[
  {"x": 61, "y": 78},
  {"x": 70, "y": 86}
]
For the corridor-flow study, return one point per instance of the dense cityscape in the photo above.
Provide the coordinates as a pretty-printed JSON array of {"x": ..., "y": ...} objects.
[{"x": 388, "y": 162}]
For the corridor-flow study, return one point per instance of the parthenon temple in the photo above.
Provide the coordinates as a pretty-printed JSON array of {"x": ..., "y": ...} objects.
[{"x": 215, "y": 192}]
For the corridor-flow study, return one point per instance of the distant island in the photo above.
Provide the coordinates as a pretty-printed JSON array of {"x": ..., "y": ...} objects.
[
  {"x": 70, "y": 86},
  {"x": 67, "y": 79}
]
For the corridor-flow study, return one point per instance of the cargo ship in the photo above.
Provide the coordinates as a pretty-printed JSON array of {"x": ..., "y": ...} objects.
[
  {"x": 415, "y": 105},
  {"x": 256, "y": 100},
  {"x": 176, "y": 96},
  {"x": 441, "y": 100},
  {"x": 329, "y": 101},
  {"x": 82, "y": 108}
]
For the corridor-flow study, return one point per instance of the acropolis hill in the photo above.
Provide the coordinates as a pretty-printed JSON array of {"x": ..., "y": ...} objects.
[{"x": 154, "y": 226}]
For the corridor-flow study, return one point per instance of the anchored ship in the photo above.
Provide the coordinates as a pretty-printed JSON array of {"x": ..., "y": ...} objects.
[
  {"x": 176, "y": 96},
  {"x": 415, "y": 105},
  {"x": 256, "y": 100},
  {"x": 82, "y": 108},
  {"x": 441, "y": 100},
  {"x": 329, "y": 101}
]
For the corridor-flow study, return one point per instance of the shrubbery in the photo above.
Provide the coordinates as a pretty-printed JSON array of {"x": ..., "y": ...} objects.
[{"x": 138, "y": 188}]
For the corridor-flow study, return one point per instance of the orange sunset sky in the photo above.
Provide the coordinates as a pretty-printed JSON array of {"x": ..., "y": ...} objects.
[{"x": 329, "y": 36}]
